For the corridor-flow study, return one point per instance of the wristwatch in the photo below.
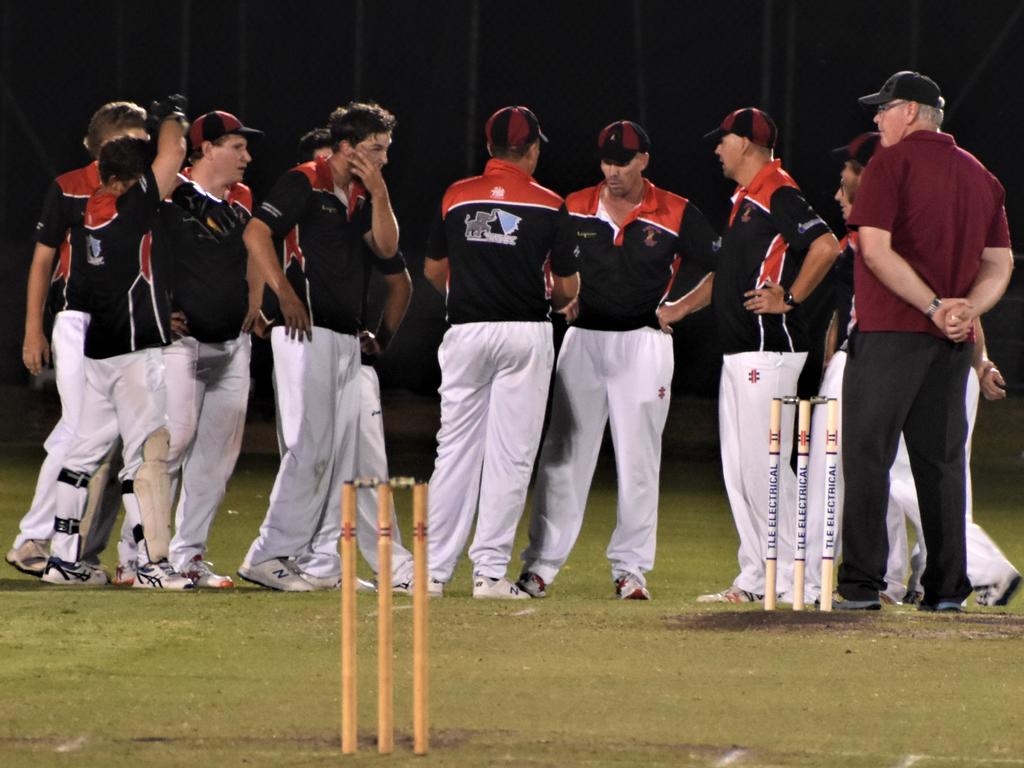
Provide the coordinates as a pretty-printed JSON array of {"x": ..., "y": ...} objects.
[{"x": 788, "y": 300}]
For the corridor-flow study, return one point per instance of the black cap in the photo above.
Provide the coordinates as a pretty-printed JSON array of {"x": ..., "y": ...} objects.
[
  {"x": 860, "y": 149},
  {"x": 213, "y": 125},
  {"x": 513, "y": 127},
  {"x": 911, "y": 86},
  {"x": 749, "y": 122},
  {"x": 620, "y": 142}
]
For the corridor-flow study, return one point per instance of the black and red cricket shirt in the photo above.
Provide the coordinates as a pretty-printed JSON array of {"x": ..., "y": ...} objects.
[
  {"x": 771, "y": 226},
  {"x": 626, "y": 272}
]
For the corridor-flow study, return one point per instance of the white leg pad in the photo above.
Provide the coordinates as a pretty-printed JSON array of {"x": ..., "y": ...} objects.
[{"x": 153, "y": 491}]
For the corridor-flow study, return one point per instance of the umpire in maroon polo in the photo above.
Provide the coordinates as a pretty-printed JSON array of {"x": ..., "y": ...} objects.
[{"x": 935, "y": 255}]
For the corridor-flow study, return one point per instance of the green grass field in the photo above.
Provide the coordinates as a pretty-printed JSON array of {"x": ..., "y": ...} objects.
[{"x": 246, "y": 677}]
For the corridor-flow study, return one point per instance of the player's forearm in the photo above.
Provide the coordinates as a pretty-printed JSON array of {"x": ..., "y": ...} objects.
[
  {"x": 436, "y": 272},
  {"x": 892, "y": 270},
  {"x": 170, "y": 155},
  {"x": 260, "y": 246},
  {"x": 564, "y": 290},
  {"x": 992, "y": 280},
  {"x": 818, "y": 261},
  {"x": 38, "y": 284},
  {"x": 696, "y": 298},
  {"x": 384, "y": 227},
  {"x": 395, "y": 306}
]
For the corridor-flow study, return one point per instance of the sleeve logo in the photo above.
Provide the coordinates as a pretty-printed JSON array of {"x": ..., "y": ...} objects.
[{"x": 803, "y": 226}]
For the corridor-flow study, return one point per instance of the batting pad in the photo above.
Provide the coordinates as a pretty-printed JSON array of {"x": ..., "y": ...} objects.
[{"x": 153, "y": 491}]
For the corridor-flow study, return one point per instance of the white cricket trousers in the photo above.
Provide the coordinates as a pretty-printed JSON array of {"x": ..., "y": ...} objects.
[
  {"x": 621, "y": 377},
  {"x": 372, "y": 461},
  {"x": 123, "y": 395},
  {"x": 317, "y": 388},
  {"x": 749, "y": 382},
  {"x": 207, "y": 396},
  {"x": 68, "y": 349},
  {"x": 494, "y": 388}
]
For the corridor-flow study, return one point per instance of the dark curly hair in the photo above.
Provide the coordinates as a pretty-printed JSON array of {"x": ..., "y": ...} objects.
[
  {"x": 124, "y": 159},
  {"x": 359, "y": 120}
]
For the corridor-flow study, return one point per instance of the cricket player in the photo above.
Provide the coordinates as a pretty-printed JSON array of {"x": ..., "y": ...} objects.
[
  {"x": 129, "y": 304},
  {"x": 55, "y": 279},
  {"x": 616, "y": 360},
  {"x": 322, "y": 214},
  {"x": 487, "y": 256}
]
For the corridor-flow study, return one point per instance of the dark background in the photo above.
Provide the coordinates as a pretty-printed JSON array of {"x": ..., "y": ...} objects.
[{"x": 442, "y": 67}]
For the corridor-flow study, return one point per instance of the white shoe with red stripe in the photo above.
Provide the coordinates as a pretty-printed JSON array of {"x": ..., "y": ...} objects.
[{"x": 202, "y": 574}]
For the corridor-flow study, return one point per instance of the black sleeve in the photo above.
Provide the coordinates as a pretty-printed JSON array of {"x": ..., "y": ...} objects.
[
  {"x": 364, "y": 216},
  {"x": 437, "y": 243},
  {"x": 795, "y": 219},
  {"x": 394, "y": 266},
  {"x": 138, "y": 205},
  {"x": 53, "y": 221},
  {"x": 697, "y": 239},
  {"x": 285, "y": 203},
  {"x": 564, "y": 261}
]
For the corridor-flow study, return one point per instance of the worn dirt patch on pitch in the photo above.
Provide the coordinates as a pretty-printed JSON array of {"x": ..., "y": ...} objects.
[{"x": 902, "y": 624}]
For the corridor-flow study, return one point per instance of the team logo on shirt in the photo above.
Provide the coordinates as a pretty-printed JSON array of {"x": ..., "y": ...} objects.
[
  {"x": 479, "y": 229},
  {"x": 93, "y": 251},
  {"x": 650, "y": 236},
  {"x": 498, "y": 193},
  {"x": 747, "y": 210},
  {"x": 806, "y": 225}
]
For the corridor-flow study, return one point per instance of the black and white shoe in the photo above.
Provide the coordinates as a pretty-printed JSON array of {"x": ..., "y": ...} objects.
[
  {"x": 79, "y": 574},
  {"x": 1000, "y": 593},
  {"x": 161, "y": 575}
]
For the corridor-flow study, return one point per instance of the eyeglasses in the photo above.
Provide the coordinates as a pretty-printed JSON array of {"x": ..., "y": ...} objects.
[{"x": 889, "y": 105}]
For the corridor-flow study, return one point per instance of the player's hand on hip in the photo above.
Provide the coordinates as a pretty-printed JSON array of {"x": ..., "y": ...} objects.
[
  {"x": 368, "y": 344},
  {"x": 769, "y": 299},
  {"x": 179, "y": 324},
  {"x": 296, "y": 318},
  {"x": 664, "y": 322},
  {"x": 571, "y": 311},
  {"x": 35, "y": 353}
]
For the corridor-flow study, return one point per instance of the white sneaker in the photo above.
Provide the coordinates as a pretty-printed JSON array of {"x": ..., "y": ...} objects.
[
  {"x": 496, "y": 589},
  {"x": 201, "y": 573},
  {"x": 630, "y": 587},
  {"x": 161, "y": 575},
  {"x": 731, "y": 595},
  {"x": 280, "y": 574},
  {"x": 124, "y": 576},
  {"x": 1000, "y": 593},
  {"x": 30, "y": 557},
  {"x": 322, "y": 582},
  {"x": 79, "y": 574}
]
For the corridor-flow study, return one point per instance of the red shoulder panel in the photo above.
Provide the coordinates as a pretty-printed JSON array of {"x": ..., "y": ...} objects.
[
  {"x": 81, "y": 182},
  {"x": 584, "y": 201},
  {"x": 241, "y": 194},
  {"x": 100, "y": 210}
]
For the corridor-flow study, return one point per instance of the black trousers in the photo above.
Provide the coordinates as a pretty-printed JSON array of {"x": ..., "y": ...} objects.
[{"x": 915, "y": 384}]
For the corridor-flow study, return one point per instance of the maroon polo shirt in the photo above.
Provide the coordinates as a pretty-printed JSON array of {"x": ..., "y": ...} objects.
[{"x": 942, "y": 208}]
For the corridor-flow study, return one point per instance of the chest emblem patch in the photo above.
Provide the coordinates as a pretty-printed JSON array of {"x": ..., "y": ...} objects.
[{"x": 650, "y": 236}]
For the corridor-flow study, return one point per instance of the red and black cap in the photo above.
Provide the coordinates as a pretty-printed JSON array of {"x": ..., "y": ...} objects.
[
  {"x": 513, "y": 127},
  {"x": 621, "y": 141},
  {"x": 860, "y": 150},
  {"x": 751, "y": 123},
  {"x": 909, "y": 86},
  {"x": 214, "y": 125}
]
